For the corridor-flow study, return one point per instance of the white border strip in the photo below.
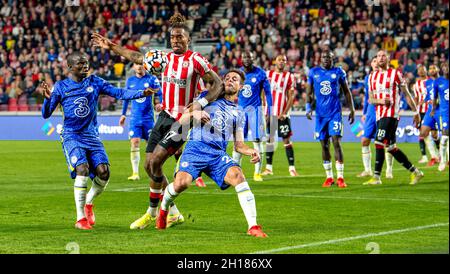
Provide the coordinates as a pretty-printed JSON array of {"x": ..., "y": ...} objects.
[{"x": 351, "y": 238}]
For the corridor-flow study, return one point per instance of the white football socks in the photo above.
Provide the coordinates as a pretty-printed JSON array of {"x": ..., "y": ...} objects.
[
  {"x": 98, "y": 186},
  {"x": 340, "y": 169},
  {"x": 389, "y": 162},
  {"x": 169, "y": 196},
  {"x": 237, "y": 157},
  {"x": 328, "y": 169},
  {"x": 135, "y": 157},
  {"x": 259, "y": 147},
  {"x": 443, "y": 149},
  {"x": 431, "y": 146},
  {"x": 367, "y": 159},
  {"x": 79, "y": 190},
  {"x": 247, "y": 201}
]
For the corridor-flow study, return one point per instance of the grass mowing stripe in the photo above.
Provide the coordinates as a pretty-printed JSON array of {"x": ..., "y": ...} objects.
[{"x": 351, "y": 238}]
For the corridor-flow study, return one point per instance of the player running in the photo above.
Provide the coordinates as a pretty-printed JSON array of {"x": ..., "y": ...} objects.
[
  {"x": 370, "y": 128},
  {"x": 441, "y": 93},
  {"x": 142, "y": 117},
  {"x": 206, "y": 152},
  {"x": 420, "y": 92},
  {"x": 179, "y": 80},
  {"x": 385, "y": 85},
  {"x": 250, "y": 100},
  {"x": 282, "y": 84},
  {"x": 431, "y": 123},
  {"x": 326, "y": 82},
  {"x": 85, "y": 155}
]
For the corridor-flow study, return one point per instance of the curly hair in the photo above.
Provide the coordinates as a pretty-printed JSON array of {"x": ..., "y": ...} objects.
[{"x": 178, "y": 21}]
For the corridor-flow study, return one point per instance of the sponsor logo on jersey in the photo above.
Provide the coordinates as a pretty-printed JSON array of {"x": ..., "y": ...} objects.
[
  {"x": 178, "y": 82},
  {"x": 247, "y": 91}
]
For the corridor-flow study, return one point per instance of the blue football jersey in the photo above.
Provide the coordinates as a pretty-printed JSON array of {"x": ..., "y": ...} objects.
[
  {"x": 440, "y": 88},
  {"x": 227, "y": 118},
  {"x": 79, "y": 102},
  {"x": 429, "y": 86},
  {"x": 327, "y": 89},
  {"x": 369, "y": 109},
  {"x": 250, "y": 94},
  {"x": 142, "y": 108}
]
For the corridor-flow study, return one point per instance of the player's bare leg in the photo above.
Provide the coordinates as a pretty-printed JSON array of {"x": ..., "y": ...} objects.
[
  {"x": 135, "y": 158},
  {"x": 326, "y": 157},
  {"x": 99, "y": 184},
  {"x": 290, "y": 156},
  {"x": 79, "y": 189},
  {"x": 339, "y": 157},
  {"x": 366, "y": 158}
]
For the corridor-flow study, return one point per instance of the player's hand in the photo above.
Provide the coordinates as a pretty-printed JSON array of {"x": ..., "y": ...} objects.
[
  {"x": 158, "y": 107},
  {"x": 100, "y": 41},
  {"x": 255, "y": 157},
  {"x": 309, "y": 115},
  {"x": 416, "y": 120},
  {"x": 351, "y": 117},
  {"x": 45, "y": 90},
  {"x": 363, "y": 118},
  {"x": 432, "y": 113},
  {"x": 150, "y": 91},
  {"x": 386, "y": 101},
  {"x": 122, "y": 120},
  {"x": 282, "y": 117}
]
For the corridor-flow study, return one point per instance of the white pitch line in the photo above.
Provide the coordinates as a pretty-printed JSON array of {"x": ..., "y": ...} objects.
[
  {"x": 143, "y": 189},
  {"x": 351, "y": 238}
]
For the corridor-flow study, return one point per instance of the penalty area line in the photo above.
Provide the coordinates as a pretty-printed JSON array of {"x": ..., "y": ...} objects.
[{"x": 370, "y": 235}]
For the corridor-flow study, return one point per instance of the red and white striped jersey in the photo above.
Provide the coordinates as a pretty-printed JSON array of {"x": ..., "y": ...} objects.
[
  {"x": 420, "y": 91},
  {"x": 280, "y": 84},
  {"x": 386, "y": 84},
  {"x": 180, "y": 80}
]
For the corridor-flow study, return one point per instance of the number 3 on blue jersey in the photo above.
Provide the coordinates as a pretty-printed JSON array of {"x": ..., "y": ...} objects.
[{"x": 83, "y": 109}]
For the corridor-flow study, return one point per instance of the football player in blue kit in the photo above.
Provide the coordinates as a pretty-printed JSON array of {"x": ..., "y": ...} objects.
[
  {"x": 431, "y": 123},
  {"x": 85, "y": 155},
  {"x": 250, "y": 100},
  {"x": 326, "y": 82},
  {"x": 440, "y": 87},
  {"x": 370, "y": 128},
  {"x": 142, "y": 116},
  {"x": 205, "y": 152}
]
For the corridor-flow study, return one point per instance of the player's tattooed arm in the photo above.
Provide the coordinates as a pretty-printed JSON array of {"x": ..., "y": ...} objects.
[
  {"x": 349, "y": 98},
  {"x": 103, "y": 42}
]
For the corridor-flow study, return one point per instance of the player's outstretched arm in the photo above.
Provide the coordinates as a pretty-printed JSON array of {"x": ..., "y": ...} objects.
[
  {"x": 241, "y": 147},
  {"x": 51, "y": 100},
  {"x": 411, "y": 103},
  {"x": 125, "y": 94},
  {"x": 349, "y": 98},
  {"x": 102, "y": 42},
  {"x": 215, "y": 90}
]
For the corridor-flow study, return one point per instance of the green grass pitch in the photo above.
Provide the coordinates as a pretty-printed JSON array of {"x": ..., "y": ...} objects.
[{"x": 37, "y": 209}]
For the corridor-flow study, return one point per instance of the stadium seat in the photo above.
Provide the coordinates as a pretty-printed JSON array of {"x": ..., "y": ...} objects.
[
  {"x": 31, "y": 101},
  {"x": 34, "y": 107},
  {"x": 23, "y": 107},
  {"x": 118, "y": 69},
  {"x": 3, "y": 107},
  {"x": 12, "y": 101},
  {"x": 394, "y": 63},
  {"x": 12, "y": 108}
]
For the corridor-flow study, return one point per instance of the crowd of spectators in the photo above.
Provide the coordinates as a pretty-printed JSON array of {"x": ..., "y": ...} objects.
[
  {"x": 35, "y": 36},
  {"x": 413, "y": 32}
]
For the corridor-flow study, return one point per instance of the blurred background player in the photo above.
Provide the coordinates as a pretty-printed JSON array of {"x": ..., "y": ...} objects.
[
  {"x": 326, "y": 82},
  {"x": 142, "y": 116},
  {"x": 441, "y": 94},
  {"x": 385, "y": 85},
  {"x": 431, "y": 123},
  {"x": 85, "y": 155},
  {"x": 250, "y": 100},
  {"x": 282, "y": 84},
  {"x": 420, "y": 92},
  {"x": 179, "y": 81},
  {"x": 206, "y": 152}
]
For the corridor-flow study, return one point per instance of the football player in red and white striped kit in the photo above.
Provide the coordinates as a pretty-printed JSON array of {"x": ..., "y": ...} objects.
[
  {"x": 184, "y": 70},
  {"x": 282, "y": 84},
  {"x": 420, "y": 91},
  {"x": 385, "y": 85}
]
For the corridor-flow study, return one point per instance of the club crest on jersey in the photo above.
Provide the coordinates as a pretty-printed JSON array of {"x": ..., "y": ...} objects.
[
  {"x": 131, "y": 133},
  {"x": 253, "y": 80},
  {"x": 185, "y": 64},
  {"x": 146, "y": 85},
  {"x": 90, "y": 89},
  {"x": 184, "y": 164},
  {"x": 333, "y": 76},
  {"x": 246, "y": 91},
  {"x": 74, "y": 159},
  {"x": 141, "y": 100}
]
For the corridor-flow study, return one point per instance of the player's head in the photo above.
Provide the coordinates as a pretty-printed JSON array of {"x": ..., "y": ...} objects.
[
  {"x": 433, "y": 70},
  {"x": 382, "y": 59},
  {"x": 444, "y": 68},
  {"x": 326, "y": 59},
  {"x": 78, "y": 64},
  {"x": 247, "y": 59},
  {"x": 233, "y": 81},
  {"x": 374, "y": 64},
  {"x": 179, "y": 34},
  {"x": 280, "y": 62},
  {"x": 139, "y": 69},
  {"x": 422, "y": 71}
]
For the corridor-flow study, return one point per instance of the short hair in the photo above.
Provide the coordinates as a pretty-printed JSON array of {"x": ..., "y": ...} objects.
[
  {"x": 178, "y": 21},
  {"x": 238, "y": 71},
  {"x": 71, "y": 57}
]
